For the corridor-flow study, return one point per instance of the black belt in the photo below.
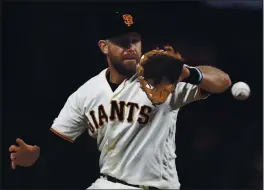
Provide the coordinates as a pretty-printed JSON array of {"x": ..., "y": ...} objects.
[{"x": 115, "y": 180}]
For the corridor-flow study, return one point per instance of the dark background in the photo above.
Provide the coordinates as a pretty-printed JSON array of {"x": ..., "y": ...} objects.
[{"x": 50, "y": 50}]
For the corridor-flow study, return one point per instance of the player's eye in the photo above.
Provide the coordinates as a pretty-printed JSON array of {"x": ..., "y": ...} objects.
[
  {"x": 123, "y": 43},
  {"x": 134, "y": 41}
]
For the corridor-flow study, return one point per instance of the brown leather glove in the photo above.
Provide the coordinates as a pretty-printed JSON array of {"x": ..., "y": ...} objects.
[{"x": 158, "y": 72}]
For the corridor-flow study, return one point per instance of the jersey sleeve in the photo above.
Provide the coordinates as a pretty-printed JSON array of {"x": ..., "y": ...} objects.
[
  {"x": 186, "y": 93},
  {"x": 71, "y": 121}
]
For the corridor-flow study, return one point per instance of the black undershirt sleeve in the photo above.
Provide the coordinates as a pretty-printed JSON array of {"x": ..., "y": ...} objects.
[
  {"x": 63, "y": 164},
  {"x": 55, "y": 153}
]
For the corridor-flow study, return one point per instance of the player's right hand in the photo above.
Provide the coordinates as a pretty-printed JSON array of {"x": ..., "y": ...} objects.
[{"x": 23, "y": 155}]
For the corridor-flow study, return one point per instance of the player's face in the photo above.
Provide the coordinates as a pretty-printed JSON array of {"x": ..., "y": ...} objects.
[{"x": 124, "y": 53}]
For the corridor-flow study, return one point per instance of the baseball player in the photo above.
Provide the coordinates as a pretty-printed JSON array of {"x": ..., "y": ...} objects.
[{"x": 136, "y": 138}]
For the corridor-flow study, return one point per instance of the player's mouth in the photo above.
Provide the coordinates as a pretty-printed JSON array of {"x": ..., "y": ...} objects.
[
  {"x": 130, "y": 54},
  {"x": 130, "y": 57}
]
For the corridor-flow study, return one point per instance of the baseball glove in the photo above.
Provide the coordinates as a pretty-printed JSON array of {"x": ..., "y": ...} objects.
[{"x": 158, "y": 72}]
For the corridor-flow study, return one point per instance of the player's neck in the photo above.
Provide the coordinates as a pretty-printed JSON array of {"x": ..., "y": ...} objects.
[{"x": 116, "y": 77}]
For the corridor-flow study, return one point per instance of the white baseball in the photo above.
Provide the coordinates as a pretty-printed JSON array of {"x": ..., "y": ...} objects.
[{"x": 240, "y": 90}]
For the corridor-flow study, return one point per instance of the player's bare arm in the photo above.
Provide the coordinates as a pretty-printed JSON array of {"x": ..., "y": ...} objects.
[
  {"x": 23, "y": 155},
  {"x": 213, "y": 79}
]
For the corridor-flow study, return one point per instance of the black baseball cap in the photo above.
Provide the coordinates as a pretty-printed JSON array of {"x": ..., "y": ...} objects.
[{"x": 116, "y": 23}]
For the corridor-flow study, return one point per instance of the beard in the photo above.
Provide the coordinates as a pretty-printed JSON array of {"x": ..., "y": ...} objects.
[{"x": 125, "y": 69}]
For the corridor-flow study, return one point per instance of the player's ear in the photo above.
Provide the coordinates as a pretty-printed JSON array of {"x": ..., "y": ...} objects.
[{"x": 103, "y": 45}]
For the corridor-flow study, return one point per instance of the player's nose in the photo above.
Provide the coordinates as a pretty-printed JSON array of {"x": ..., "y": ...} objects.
[{"x": 131, "y": 46}]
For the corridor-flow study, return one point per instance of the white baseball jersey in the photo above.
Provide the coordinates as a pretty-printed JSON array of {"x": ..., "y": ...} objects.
[{"x": 136, "y": 138}]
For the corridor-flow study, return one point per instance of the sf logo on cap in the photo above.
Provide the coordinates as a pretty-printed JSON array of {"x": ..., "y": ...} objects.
[{"x": 128, "y": 19}]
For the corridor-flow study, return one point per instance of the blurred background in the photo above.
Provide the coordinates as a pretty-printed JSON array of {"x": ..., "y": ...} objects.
[{"x": 50, "y": 49}]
